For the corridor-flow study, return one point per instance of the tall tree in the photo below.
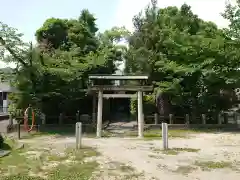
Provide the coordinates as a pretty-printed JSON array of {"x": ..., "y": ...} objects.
[
  {"x": 53, "y": 75},
  {"x": 189, "y": 59}
]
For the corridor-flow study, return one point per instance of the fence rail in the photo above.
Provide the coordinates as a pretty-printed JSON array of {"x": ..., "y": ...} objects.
[{"x": 222, "y": 118}]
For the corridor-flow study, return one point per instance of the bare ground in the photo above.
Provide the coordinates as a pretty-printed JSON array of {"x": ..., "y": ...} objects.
[{"x": 204, "y": 156}]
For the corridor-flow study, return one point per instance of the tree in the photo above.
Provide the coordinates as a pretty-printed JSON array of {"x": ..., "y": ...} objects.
[
  {"x": 189, "y": 59},
  {"x": 53, "y": 75},
  {"x": 232, "y": 14}
]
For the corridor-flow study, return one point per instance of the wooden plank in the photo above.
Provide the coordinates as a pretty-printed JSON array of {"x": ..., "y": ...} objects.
[
  {"x": 120, "y": 88},
  {"x": 119, "y": 95},
  {"x": 118, "y": 77}
]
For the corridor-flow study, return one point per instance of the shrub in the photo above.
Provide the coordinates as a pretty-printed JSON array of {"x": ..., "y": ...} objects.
[
  {"x": 1, "y": 141},
  {"x": 149, "y": 107}
]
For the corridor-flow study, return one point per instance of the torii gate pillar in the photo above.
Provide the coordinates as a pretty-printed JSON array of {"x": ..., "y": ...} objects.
[
  {"x": 99, "y": 113},
  {"x": 140, "y": 114}
]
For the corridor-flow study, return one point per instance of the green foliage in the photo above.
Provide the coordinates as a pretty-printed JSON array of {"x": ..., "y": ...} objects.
[
  {"x": 190, "y": 59},
  {"x": 148, "y": 105},
  {"x": 232, "y": 14},
  {"x": 54, "y": 31},
  {"x": 133, "y": 106},
  {"x": 1, "y": 141},
  {"x": 54, "y": 74},
  {"x": 21, "y": 177}
]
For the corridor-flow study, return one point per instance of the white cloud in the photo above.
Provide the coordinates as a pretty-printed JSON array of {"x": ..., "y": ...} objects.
[{"x": 208, "y": 10}]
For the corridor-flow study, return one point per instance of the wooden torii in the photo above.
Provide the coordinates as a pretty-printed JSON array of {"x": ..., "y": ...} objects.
[{"x": 98, "y": 85}]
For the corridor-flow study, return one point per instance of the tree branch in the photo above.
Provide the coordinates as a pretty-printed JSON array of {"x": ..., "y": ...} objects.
[{"x": 12, "y": 52}]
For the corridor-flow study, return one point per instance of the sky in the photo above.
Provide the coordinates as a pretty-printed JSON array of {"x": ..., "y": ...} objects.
[{"x": 28, "y": 15}]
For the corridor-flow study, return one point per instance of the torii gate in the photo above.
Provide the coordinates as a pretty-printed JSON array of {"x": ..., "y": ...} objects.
[{"x": 100, "y": 88}]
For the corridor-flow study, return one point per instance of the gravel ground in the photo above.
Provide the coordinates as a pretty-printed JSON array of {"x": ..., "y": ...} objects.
[{"x": 204, "y": 156}]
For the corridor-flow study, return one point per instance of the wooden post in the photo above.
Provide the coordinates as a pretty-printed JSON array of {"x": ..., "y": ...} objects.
[
  {"x": 170, "y": 118},
  {"x": 219, "y": 118},
  {"x": 235, "y": 117},
  {"x": 60, "y": 120},
  {"x": 11, "y": 120},
  {"x": 43, "y": 117},
  {"x": 203, "y": 119},
  {"x": 94, "y": 108},
  {"x": 187, "y": 119},
  {"x": 77, "y": 116},
  {"x": 99, "y": 113},
  {"x": 19, "y": 130},
  {"x": 156, "y": 118}
]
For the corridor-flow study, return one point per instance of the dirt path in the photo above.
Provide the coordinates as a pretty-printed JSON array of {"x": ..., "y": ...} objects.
[{"x": 203, "y": 157}]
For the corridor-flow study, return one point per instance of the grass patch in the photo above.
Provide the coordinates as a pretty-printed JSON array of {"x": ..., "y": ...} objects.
[
  {"x": 186, "y": 149},
  {"x": 148, "y": 134},
  {"x": 155, "y": 156},
  {"x": 118, "y": 170},
  {"x": 76, "y": 171},
  {"x": 153, "y": 134},
  {"x": 171, "y": 134},
  {"x": 175, "y": 151},
  {"x": 184, "y": 169},
  {"x": 126, "y": 168},
  {"x": 8, "y": 144},
  {"x": 38, "y": 134},
  {"x": 157, "y": 134},
  {"x": 26, "y": 164},
  {"x": 170, "y": 152},
  {"x": 133, "y": 176},
  {"x": 208, "y": 165}
]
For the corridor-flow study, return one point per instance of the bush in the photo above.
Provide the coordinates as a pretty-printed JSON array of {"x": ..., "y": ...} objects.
[
  {"x": 149, "y": 107},
  {"x": 1, "y": 141}
]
